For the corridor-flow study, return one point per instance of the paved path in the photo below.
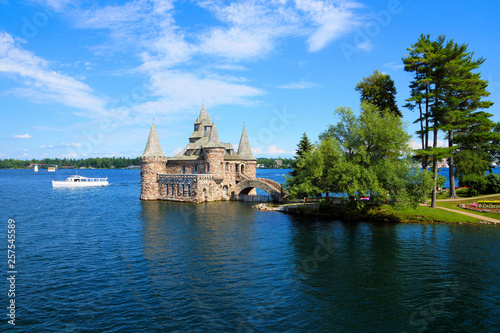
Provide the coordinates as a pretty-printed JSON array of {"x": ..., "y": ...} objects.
[{"x": 480, "y": 217}]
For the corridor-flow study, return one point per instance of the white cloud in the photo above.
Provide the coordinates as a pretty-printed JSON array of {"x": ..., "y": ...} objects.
[
  {"x": 270, "y": 150},
  {"x": 55, "y": 5},
  {"x": 366, "y": 46},
  {"x": 394, "y": 66},
  {"x": 331, "y": 20},
  {"x": 69, "y": 155},
  {"x": 43, "y": 84},
  {"x": 62, "y": 145},
  {"x": 22, "y": 136},
  {"x": 299, "y": 85},
  {"x": 418, "y": 144}
]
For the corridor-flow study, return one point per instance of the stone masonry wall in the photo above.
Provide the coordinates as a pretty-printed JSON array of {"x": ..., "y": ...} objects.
[
  {"x": 150, "y": 168},
  {"x": 215, "y": 158}
]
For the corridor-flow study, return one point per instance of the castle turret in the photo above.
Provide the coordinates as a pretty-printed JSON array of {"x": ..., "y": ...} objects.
[
  {"x": 245, "y": 153},
  {"x": 202, "y": 126},
  {"x": 214, "y": 154},
  {"x": 153, "y": 162}
]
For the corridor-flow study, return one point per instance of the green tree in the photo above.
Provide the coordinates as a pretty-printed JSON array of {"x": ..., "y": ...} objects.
[
  {"x": 362, "y": 155},
  {"x": 447, "y": 93},
  {"x": 304, "y": 146},
  {"x": 379, "y": 90}
]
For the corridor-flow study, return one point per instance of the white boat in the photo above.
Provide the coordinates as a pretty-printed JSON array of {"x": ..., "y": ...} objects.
[{"x": 79, "y": 181}]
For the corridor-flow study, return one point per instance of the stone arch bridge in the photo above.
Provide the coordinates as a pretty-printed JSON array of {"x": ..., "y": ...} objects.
[{"x": 274, "y": 189}]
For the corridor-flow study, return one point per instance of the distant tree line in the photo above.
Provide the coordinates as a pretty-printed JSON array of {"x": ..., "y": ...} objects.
[
  {"x": 269, "y": 162},
  {"x": 92, "y": 162}
]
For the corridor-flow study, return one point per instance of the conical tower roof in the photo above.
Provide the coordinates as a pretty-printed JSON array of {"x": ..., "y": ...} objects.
[
  {"x": 213, "y": 139},
  {"x": 203, "y": 118},
  {"x": 153, "y": 147},
  {"x": 244, "y": 149}
]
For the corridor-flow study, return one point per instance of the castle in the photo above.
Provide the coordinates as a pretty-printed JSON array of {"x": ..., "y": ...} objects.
[{"x": 205, "y": 170}]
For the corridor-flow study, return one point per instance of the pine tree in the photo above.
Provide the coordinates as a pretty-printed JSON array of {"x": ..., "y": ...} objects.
[
  {"x": 448, "y": 94},
  {"x": 303, "y": 147}
]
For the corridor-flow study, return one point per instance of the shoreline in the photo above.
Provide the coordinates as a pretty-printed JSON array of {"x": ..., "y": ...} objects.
[{"x": 380, "y": 216}]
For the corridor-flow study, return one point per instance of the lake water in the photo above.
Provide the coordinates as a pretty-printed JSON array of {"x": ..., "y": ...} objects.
[{"x": 100, "y": 260}]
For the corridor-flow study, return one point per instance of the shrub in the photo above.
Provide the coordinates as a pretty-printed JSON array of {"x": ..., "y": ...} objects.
[
  {"x": 475, "y": 183},
  {"x": 493, "y": 183}
]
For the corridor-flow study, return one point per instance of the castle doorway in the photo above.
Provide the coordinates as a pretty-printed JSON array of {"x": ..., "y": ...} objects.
[
  {"x": 243, "y": 168},
  {"x": 224, "y": 191}
]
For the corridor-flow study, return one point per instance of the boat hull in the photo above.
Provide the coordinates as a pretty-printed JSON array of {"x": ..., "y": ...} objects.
[{"x": 61, "y": 184}]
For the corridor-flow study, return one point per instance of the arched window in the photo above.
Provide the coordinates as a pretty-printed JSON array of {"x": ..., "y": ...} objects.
[{"x": 227, "y": 166}]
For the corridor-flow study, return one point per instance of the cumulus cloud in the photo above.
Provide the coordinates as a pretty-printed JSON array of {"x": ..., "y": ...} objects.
[
  {"x": 270, "y": 150},
  {"x": 22, "y": 136},
  {"x": 418, "y": 145}
]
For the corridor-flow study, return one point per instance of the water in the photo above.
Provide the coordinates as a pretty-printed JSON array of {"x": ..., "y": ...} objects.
[{"x": 100, "y": 260}]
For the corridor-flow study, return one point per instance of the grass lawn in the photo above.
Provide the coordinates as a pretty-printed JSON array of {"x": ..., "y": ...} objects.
[
  {"x": 424, "y": 214},
  {"x": 454, "y": 205}
]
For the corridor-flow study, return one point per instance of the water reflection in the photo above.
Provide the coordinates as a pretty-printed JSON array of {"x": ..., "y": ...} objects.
[{"x": 227, "y": 267}]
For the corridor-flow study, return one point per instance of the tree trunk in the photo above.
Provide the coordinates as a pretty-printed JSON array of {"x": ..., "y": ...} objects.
[
  {"x": 427, "y": 124},
  {"x": 434, "y": 169},
  {"x": 451, "y": 165}
]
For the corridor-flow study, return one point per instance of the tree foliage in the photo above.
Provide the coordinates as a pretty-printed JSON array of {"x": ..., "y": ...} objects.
[
  {"x": 378, "y": 89},
  {"x": 93, "y": 162},
  {"x": 365, "y": 155},
  {"x": 447, "y": 92}
]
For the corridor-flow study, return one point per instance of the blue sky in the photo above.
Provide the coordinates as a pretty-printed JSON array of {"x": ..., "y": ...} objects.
[{"x": 85, "y": 78}]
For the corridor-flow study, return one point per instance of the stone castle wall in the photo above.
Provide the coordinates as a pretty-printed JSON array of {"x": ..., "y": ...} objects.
[{"x": 150, "y": 168}]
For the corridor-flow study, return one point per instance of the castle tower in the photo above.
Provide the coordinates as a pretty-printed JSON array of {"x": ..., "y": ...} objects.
[
  {"x": 153, "y": 162},
  {"x": 214, "y": 154},
  {"x": 202, "y": 126},
  {"x": 245, "y": 153}
]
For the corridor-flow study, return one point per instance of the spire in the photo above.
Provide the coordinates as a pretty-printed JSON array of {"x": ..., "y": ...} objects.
[
  {"x": 203, "y": 118},
  {"x": 244, "y": 149},
  {"x": 213, "y": 139},
  {"x": 153, "y": 147}
]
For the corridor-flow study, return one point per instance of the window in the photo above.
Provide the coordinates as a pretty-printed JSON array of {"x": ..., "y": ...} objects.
[
  {"x": 227, "y": 167},
  {"x": 183, "y": 169},
  {"x": 208, "y": 167},
  {"x": 189, "y": 190},
  {"x": 207, "y": 130},
  {"x": 196, "y": 127},
  {"x": 195, "y": 169},
  {"x": 210, "y": 189}
]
